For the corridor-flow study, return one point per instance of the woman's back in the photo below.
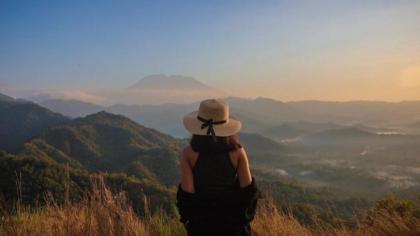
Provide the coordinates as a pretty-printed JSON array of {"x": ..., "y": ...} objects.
[
  {"x": 217, "y": 194},
  {"x": 214, "y": 174}
]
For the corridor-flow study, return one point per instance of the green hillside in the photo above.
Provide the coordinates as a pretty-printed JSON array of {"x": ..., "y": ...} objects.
[
  {"x": 21, "y": 120},
  {"x": 107, "y": 142},
  {"x": 5, "y": 98},
  {"x": 33, "y": 179},
  {"x": 141, "y": 161}
]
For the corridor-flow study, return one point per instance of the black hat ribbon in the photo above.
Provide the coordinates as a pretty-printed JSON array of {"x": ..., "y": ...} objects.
[{"x": 209, "y": 123}]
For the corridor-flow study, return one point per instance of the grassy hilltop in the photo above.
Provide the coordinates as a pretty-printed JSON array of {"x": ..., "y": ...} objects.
[{"x": 102, "y": 212}]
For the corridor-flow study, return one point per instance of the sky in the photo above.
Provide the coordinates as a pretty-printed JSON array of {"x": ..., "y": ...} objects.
[{"x": 287, "y": 50}]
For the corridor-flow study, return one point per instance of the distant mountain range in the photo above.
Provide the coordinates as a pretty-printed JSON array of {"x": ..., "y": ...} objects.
[
  {"x": 71, "y": 108},
  {"x": 292, "y": 130},
  {"x": 159, "y": 101},
  {"x": 344, "y": 135},
  {"x": 172, "y": 82},
  {"x": 273, "y": 118}
]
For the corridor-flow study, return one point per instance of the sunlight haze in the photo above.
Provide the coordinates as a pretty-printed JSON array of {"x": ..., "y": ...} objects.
[{"x": 287, "y": 50}]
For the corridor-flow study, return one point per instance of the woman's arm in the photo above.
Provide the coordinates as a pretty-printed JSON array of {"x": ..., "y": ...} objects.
[
  {"x": 187, "y": 181},
  {"x": 244, "y": 173}
]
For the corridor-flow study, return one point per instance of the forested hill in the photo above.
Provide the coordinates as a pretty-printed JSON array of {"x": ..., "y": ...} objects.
[
  {"x": 107, "y": 142},
  {"x": 21, "y": 120},
  {"x": 141, "y": 161}
]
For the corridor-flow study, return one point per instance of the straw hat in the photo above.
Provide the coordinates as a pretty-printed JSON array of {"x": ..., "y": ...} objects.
[{"x": 212, "y": 118}]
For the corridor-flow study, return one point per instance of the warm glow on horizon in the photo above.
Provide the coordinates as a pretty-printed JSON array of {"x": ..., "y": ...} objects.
[
  {"x": 410, "y": 77},
  {"x": 286, "y": 50}
]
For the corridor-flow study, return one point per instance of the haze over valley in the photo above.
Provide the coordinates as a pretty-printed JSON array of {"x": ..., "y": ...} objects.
[{"x": 358, "y": 148}]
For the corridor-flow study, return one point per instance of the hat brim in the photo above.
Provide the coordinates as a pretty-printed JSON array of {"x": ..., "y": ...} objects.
[{"x": 193, "y": 125}]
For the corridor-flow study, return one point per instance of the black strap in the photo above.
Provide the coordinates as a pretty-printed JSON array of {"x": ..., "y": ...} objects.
[{"x": 209, "y": 123}]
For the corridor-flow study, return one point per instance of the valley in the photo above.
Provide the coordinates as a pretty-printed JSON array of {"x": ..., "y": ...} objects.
[{"x": 334, "y": 164}]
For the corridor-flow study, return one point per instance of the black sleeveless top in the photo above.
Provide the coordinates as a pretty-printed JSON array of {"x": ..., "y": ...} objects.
[
  {"x": 219, "y": 205},
  {"x": 214, "y": 174}
]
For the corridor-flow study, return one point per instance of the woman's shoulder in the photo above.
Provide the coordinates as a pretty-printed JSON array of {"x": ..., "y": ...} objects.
[
  {"x": 189, "y": 155},
  {"x": 188, "y": 151},
  {"x": 238, "y": 152}
]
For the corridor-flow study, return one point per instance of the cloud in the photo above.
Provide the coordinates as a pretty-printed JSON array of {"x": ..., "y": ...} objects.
[
  {"x": 157, "y": 96},
  {"x": 110, "y": 96},
  {"x": 38, "y": 94},
  {"x": 410, "y": 77}
]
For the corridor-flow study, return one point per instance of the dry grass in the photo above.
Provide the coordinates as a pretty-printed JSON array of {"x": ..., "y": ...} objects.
[
  {"x": 101, "y": 213},
  {"x": 271, "y": 222},
  {"x": 105, "y": 213}
]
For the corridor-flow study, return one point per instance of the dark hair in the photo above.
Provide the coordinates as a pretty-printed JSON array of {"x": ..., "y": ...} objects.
[{"x": 206, "y": 143}]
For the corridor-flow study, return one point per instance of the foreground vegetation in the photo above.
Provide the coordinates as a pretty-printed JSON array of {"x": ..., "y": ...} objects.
[
  {"x": 102, "y": 212},
  {"x": 107, "y": 175}
]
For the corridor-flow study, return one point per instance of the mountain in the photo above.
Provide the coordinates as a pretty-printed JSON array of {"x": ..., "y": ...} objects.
[
  {"x": 163, "y": 82},
  {"x": 160, "y": 89},
  {"x": 6, "y": 98},
  {"x": 370, "y": 113},
  {"x": 107, "y": 142},
  {"x": 265, "y": 110},
  {"x": 71, "y": 108},
  {"x": 293, "y": 130},
  {"x": 21, "y": 120},
  {"x": 284, "y": 131},
  {"x": 339, "y": 135},
  {"x": 39, "y": 178},
  {"x": 133, "y": 158},
  {"x": 348, "y": 132},
  {"x": 256, "y": 143},
  {"x": 374, "y": 113},
  {"x": 166, "y": 118},
  {"x": 413, "y": 126},
  {"x": 264, "y": 152}
]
